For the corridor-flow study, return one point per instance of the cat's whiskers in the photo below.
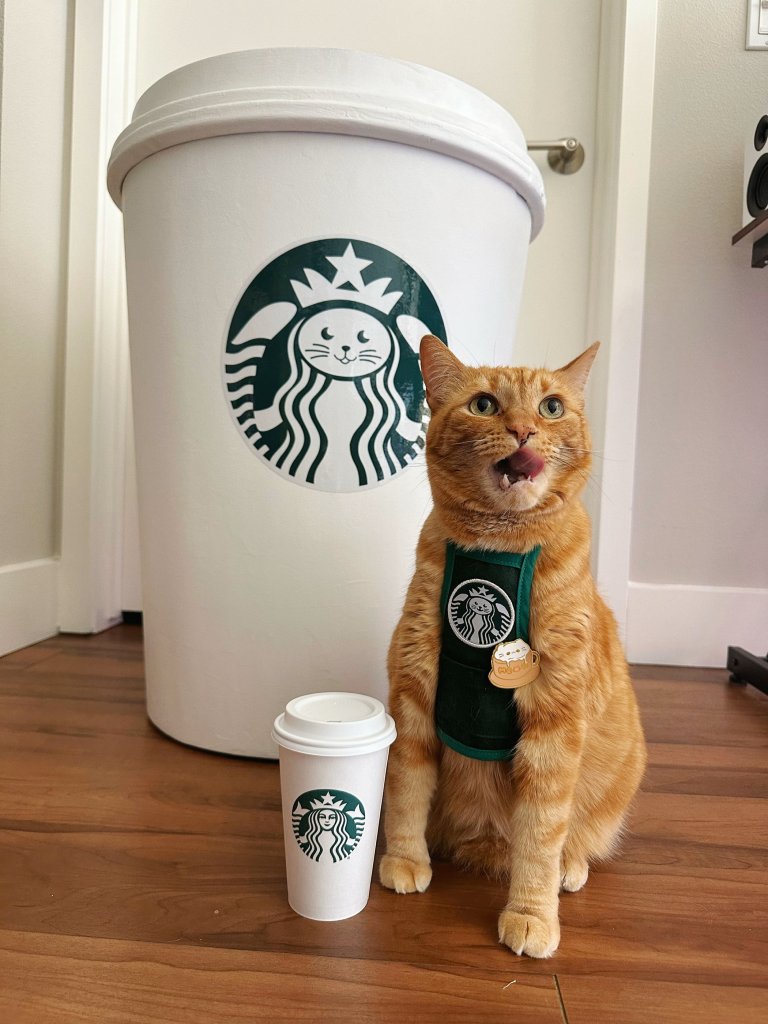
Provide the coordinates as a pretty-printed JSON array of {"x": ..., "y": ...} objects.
[
  {"x": 435, "y": 458},
  {"x": 593, "y": 482},
  {"x": 585, "y": 451},
  {"x": 585, "y": 473}
]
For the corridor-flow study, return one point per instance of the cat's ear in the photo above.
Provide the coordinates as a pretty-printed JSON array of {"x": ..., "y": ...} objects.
[
  {"x": 441, "y": 370},
  {"x": 577, "y": 371}
]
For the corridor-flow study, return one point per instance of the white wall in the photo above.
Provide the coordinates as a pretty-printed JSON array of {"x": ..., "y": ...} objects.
[
  {"x": 32, "y": 231},
  {"x": 700, "y": 518}
]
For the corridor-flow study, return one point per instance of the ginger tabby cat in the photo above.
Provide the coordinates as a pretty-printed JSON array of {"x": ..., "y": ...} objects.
[{"x": 508, "y": 453}]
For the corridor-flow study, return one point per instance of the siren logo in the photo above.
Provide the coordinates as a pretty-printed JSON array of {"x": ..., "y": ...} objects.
[
  {"x": 328, "y": 825},
  {"x": 480, "y": 613},
  {"x": 321, "y": 364}
]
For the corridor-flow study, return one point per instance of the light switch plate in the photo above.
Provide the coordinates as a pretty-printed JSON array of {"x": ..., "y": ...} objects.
[{"x": 757, "y": 25}]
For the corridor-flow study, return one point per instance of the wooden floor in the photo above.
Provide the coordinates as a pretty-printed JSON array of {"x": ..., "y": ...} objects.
[{"x": 142, "y": 881}]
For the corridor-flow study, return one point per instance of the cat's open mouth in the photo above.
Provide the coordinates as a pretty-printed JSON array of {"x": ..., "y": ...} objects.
[
  {"x": 524, "y": 464},
  {"x": 345, "y": 359}
]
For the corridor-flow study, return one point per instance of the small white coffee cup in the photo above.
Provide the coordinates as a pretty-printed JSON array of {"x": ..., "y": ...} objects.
[{"x": 333, "y": 759}]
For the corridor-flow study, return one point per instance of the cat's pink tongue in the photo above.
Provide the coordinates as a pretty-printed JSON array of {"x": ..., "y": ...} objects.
[{"x": 527, "y": 462}]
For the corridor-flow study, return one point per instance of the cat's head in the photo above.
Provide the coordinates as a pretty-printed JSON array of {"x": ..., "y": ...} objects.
[{"x": 505, "y": 439}]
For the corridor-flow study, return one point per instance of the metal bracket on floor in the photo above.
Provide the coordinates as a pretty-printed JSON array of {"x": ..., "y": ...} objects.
[{"x": 748, "y": 668}]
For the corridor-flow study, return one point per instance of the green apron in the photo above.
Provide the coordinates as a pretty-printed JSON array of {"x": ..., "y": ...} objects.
[{"x": 485, "y": 600}]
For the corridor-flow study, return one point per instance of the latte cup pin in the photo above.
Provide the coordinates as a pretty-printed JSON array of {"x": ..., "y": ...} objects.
[
  {"x": 333, "y": 759},
  {"x": 513, "y": 664}
]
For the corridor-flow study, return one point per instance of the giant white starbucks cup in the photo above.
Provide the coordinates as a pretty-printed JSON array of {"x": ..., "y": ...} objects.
[
  {"x": 295, "y": 221},
  {"x": 333, "y": 758}
]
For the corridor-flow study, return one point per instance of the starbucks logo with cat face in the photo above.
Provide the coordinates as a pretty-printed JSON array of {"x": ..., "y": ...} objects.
[
  {"x": 321, "y": 364},
  {"x": 328, "y": 824},
  {"x": 480, "y": 613}
]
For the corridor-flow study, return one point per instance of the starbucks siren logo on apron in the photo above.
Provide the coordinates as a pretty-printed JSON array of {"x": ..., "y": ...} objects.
[
  {"x": 328, "y": 824},
  {"x": 321, "y": 364},
  {"x": 480, "y": 613}
]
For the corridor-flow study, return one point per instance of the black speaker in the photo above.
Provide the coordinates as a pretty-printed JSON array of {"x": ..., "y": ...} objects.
[{"x": 756, "y": 172}]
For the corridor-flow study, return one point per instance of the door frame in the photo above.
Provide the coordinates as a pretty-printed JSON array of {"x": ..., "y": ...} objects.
[
  {"x": 96, "y": 374},
  {"x": 104, "y": 47},
  {"x": 626, "y": 73}
]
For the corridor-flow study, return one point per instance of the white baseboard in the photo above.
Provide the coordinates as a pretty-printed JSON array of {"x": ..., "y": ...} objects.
[
  {"x": 671, "y": 624},
  {"x": 28, "y": 595}
]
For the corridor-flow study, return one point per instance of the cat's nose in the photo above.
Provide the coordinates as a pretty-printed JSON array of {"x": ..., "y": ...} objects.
[
  {"x": 520, "y": 432},
  {"x": 345, "y": 348}
]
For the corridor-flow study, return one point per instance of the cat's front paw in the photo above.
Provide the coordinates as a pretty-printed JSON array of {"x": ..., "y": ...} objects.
[
  {"x": 404, "y": 875},
  {"x": 524, "y": 933}
]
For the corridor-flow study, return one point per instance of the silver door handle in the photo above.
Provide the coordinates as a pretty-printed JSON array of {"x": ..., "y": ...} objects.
[{"x": 565, "y": 156}]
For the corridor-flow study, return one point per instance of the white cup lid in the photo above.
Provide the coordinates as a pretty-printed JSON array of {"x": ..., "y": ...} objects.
[
  {"x": 339, "y": 92},
  {"x": 334, "y": 725}
]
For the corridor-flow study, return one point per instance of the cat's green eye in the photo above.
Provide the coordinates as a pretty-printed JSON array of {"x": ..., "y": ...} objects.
[
  {"x": 484, "y": 405},
  {"x": 552, "y": 408}
]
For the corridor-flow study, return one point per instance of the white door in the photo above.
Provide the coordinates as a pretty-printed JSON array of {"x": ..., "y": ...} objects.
[{"x": 540, "y": 61}]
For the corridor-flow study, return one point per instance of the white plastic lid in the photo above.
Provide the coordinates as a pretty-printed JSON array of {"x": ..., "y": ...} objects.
[
  {"x": 334, "y": 725},
  {"x": 342, "y": 92}
]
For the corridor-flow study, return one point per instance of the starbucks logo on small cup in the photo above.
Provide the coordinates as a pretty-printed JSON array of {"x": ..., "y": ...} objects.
[
  {"x": 480, "y": 613},
  {"x": 321, "y": 364},
  {"x": 328, "y": 824}
]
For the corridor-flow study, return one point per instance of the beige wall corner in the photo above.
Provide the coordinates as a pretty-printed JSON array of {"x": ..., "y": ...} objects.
[{"x": 32, "y": 245}]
